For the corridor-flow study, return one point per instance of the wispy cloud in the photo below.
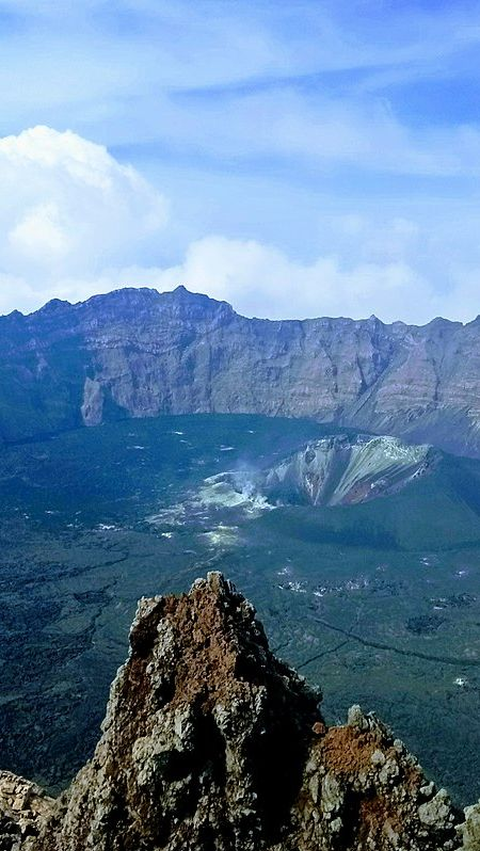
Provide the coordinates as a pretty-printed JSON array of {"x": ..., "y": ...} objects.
[{"x": 256, "y": 79}]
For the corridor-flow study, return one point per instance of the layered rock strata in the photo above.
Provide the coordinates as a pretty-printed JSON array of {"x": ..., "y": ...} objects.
[{"x": 135, "y": 352}]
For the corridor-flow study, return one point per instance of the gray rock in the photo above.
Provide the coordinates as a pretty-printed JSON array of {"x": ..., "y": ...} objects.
[
  {"x": 470, "y": 830},
  {"x": 437, "y": 812}
]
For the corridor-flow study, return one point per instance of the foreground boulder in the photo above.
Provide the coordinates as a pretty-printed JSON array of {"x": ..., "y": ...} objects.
[{"x": 212, "y": 744}]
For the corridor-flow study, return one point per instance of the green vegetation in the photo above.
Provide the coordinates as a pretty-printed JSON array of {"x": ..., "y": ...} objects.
[{"x": 379, "y": 603}]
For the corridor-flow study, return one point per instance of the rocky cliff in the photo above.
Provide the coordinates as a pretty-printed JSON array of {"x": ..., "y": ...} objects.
[
  {"x": 136, "y": 352},
  {"x": 211, "y": 744}
]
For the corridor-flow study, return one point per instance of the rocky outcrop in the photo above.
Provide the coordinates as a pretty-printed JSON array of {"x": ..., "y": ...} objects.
[
  {"x": 204, "y": 739},
  {"x": 470, "y": 829},
  {"x": 340, "y": 469},
  {"x": 212, "y": 744},
  {"x": 139, "y": 353},
  {"x": 23, "y": 809}
]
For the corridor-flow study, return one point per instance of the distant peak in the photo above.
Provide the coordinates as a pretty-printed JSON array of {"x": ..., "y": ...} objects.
[
  {"x": 123, "y": 295},
  {"x": 440, "y": 320},
  {"x": 182, "y": 291},
  {"x": 197, "y": 301},
  {"x": 54, "y": 305}
]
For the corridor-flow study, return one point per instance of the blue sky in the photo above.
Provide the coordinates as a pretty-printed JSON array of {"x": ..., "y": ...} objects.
[{"x": 296, "y": 158}]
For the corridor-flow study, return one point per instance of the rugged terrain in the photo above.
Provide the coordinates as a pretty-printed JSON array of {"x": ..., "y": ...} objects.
[
  {"x": 139, "y": 353},
  {"x": 339, "y": 469},
  {"x": 210, "y": 743}
]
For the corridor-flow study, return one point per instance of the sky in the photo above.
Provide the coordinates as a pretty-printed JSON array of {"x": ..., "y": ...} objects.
[{"x": 293, "y": 157}]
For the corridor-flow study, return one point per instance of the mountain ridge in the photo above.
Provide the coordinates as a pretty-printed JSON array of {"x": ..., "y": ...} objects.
[
  {"x": 138, "y": 352},
  {"x": 182, "y": 289}
]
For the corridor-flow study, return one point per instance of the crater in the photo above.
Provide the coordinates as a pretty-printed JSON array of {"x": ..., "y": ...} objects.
[{"x": 341, "y": 470}]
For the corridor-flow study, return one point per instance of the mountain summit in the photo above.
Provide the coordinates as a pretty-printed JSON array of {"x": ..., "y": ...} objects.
[{"x": 212, "y": 744}]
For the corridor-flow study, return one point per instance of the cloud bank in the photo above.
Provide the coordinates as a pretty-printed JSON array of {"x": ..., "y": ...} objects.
[
  {"x": 75, "y": 221},
  {"x": 68, "y": 210}
]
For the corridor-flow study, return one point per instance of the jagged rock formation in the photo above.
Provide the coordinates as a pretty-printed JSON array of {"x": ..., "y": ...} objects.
[
  {"x": 212, "y": 744},
  {"x": 137, "y": 353},
  {"x": 470, "y": 830}
]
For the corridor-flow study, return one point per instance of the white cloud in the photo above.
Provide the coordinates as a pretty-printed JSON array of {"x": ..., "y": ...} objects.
[
  {"x": 68, "y": 205},
  {"x": 75, "y": 222},
  {"x": 261, "y": 280},
  {"x": 39, "y": 235}
]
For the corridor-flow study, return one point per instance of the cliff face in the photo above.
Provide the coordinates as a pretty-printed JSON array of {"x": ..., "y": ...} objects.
[
  {"x": 139, "y": 353},
  {"x": 212, "y": 744}
]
